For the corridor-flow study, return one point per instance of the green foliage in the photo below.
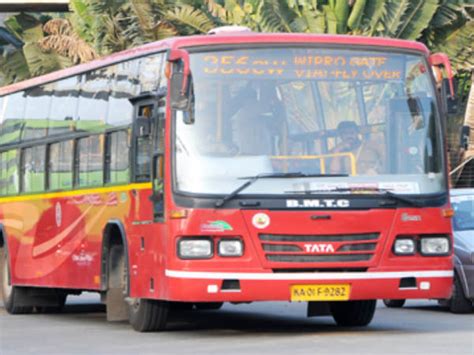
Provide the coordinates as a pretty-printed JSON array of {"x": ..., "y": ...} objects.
[{"x": 113, "y": 25}]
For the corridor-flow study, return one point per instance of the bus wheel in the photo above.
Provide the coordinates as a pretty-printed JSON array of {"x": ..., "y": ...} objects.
[
  {"x": 10, "y": 293},
  {"x": 208, "y": 305},
  {"x": 353, "y": 313},
  {"x": 144, "y": 315},
  {"x": 148, "y": 315},
  {"x": 458, "y": 303},
  {"x": 393, "y": 303}
]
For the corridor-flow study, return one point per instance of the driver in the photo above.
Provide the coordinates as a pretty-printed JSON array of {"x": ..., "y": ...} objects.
[{"x": 367, "y": 157}]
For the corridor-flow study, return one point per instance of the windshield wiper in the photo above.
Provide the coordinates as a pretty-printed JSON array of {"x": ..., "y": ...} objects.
[
  {"x": 383, "y": 192},
  {"x": 252, "y": 179}
]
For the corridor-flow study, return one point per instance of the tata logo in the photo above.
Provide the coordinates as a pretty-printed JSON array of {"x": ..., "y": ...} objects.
[
  {"x": 319, "y": 248},
  {"x": 323, "y": 203}
]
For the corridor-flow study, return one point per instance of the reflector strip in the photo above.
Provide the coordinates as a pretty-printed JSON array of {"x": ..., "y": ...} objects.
[{"x": 306, "y": 275}]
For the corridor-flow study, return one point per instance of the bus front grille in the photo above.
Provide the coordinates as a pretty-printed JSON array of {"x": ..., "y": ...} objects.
[{"x": 319, "y": 248}]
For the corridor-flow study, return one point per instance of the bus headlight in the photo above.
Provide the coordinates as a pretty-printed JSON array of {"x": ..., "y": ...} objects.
[
  {"x": 436, "y": 245},
  {"x": 230, "y": 247},
  {"x": 404, "y": 246},
  {"x": 195, "y": 248}
]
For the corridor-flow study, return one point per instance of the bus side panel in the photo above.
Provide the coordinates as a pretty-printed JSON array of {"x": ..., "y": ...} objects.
[{"x": 56, "y": 242}]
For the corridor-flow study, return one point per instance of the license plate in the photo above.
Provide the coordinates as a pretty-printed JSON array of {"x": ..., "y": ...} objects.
[{"x": 320, "y": 292}]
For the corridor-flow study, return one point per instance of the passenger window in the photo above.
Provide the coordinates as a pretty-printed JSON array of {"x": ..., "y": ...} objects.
[
  {"x": 123, "y": 86},
  {"x": 11, "y": 115},
  {"x": 33, "y": 169},
  {"x": 93, "y": 100},
  {"x": 38, "y": 104},
  {"x": 117, "y": 168},
  {"x": 9, "y": 172},
  {"x": 90, "y": 161},
  {"x": 64, "y": 105},
  {"x": 60, "y": 165}
]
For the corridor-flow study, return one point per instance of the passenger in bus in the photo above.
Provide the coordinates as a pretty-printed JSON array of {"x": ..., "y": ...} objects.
[{"x": 364, "y": 153}]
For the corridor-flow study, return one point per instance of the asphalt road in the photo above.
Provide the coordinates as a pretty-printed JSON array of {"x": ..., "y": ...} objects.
[{"x": 421, "y": 327}]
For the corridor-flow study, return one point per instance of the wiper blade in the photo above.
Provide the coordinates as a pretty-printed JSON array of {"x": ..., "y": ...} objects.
[{"x": 252, "y": 179}]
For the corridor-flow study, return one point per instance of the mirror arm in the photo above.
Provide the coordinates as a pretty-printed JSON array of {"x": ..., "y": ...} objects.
[
  {"x": 438, "y": 59},
  {"x": 177, "y": 54}
]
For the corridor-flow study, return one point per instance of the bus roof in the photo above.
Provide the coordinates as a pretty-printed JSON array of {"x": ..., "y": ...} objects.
[{"x": 219, "y": 39}]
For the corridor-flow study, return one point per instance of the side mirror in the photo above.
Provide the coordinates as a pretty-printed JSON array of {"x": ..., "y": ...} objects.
[
  {"x": 446, "y": 82},
  {"x": 181, "y": 82},
  {"x": 451, "y": 101}
]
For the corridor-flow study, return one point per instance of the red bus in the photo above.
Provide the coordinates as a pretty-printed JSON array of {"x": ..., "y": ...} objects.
[{"x": 233, "y": 167}]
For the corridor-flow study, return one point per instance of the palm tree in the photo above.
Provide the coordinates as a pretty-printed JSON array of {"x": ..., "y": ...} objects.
[{"x": 33, "y": 46}]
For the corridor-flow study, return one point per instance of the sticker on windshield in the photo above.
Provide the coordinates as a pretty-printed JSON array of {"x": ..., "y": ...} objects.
[
  {"x": 261, "y": 220},
  {"x": 401, "y": 187}
]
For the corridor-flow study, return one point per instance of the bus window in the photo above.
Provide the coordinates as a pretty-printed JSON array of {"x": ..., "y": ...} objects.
[
  {"x": 117, "y": 163},
  {"x": 38, "y": 104},
  {"x": 123, "y": 86},
  {"x": 33, "y": 166},
  {"x": 93, "y": 100},
  {"x": 64, "y": 103},
  {"x": 11, "y": 116},
  {"x": 9, "y": 172},
  {"x": 60, "y": 165},
  {"x": 90, "y": 161}
]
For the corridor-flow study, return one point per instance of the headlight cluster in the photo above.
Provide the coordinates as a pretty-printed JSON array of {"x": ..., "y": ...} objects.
[
  {"x": 426, "y": 245},
  {"x": 203, "y": 247}
]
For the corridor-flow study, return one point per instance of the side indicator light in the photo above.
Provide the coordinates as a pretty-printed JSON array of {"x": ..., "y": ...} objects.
[
  {"x": 178, "y": 214},
  {"x": 448, "y": 213}
]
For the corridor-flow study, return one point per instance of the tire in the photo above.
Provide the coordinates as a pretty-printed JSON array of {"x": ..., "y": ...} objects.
[
  {"x": 144, "y": 315},
  {"x": 148, "y": 315},
  {"x": 353, "y": 313},
  {"x": 202, "y": 306},
  {"x": 458, "y": 303},
  {"x": 393, "y": 303},
  {"x": 10, "y": 294}
]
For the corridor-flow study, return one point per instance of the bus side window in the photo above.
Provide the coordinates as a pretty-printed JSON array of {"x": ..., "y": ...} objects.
[
  {"x": 9, "y": 172},
  {"x": 117, "y": 158},
  {"x": 60, "y": 165},
  {"x": 90, "y": 161},
  {"x": 33, "y": 169}
]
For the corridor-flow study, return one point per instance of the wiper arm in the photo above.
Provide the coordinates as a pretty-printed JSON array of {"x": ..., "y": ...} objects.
[
  {"x": 397, "y": 197},
  {"x": 252, "y": 179}
]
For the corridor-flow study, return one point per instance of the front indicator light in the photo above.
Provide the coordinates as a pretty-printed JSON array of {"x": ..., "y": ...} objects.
[
  {"x": 404, "y": 246},
  {"x": 195, "y": 248},
  {"x": 231, "y": 247},
  {"x": 434, "y": 246}
]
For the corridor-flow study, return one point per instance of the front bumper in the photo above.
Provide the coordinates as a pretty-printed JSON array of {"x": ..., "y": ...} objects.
[{"x": 203, "y": 286}]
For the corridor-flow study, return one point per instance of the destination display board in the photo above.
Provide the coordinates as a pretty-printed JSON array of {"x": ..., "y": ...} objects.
[{"x": 287, "y": 63}]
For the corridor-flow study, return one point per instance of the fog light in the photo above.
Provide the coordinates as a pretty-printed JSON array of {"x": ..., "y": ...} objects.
[
  {"x": 231, "y": 247},
  {"x": 194, "y": 248},
  {"x": 404, "y": 246},
  {"x": 434, "y": 246}
]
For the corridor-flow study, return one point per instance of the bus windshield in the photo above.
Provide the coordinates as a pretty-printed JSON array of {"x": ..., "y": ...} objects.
[{"x": 354, "y": 118}]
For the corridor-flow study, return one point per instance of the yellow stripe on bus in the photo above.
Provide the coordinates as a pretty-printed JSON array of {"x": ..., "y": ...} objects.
[{"x": 98, "y": 190}]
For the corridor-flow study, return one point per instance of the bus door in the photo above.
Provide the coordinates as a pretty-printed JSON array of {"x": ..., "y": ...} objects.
[{"x": 148, "y": 145}]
